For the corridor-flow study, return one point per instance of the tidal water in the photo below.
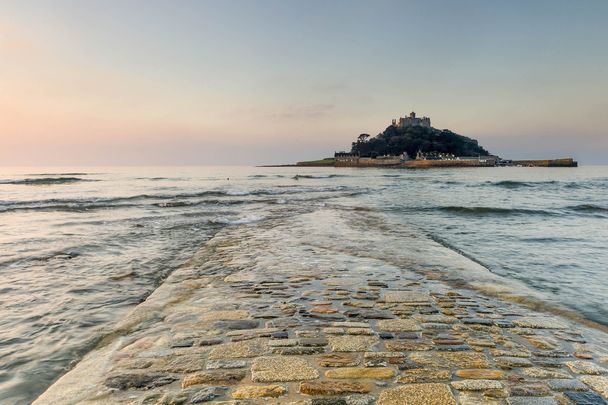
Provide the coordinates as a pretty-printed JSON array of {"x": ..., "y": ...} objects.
[{"x": 80, "y": 247}]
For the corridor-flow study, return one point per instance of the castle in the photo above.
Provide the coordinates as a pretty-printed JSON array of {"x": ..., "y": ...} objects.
[{"x": 412, "y": 121}]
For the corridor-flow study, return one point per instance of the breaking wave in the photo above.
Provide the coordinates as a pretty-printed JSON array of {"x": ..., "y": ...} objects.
[{"x": 159, "y": 200}]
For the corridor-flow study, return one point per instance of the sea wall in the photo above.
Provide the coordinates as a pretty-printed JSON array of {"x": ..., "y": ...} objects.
[
  {"x": 367, "y": 162},
  {"x": 445, "y": 163},
  {"x": 564, "y": 162}
]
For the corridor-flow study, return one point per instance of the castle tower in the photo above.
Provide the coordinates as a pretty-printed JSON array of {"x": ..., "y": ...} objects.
[{"x": 412, "y": 115}]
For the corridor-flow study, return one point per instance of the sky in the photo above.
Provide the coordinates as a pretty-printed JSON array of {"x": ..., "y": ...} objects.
[{"x": 124, "y": 82}]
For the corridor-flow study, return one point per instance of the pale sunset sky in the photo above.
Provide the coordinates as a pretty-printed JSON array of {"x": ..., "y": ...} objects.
[{"x": 127, "y": 82}]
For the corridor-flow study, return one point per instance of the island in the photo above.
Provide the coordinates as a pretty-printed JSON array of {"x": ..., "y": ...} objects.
[{"x": 412, "y": 142}]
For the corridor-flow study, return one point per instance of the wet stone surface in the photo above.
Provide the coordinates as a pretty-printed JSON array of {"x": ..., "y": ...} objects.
[{"x": 236, "y": 329}]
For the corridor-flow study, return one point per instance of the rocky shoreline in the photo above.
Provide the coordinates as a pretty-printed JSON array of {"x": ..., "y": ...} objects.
[{"x": 235, "y": 326}]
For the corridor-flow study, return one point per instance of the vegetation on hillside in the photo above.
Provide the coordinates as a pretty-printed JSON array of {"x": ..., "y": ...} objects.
[{"x": 395, "y": 141}]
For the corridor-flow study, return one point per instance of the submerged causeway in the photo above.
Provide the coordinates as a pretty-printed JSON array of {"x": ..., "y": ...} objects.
[{"x": 280, "y": 315}]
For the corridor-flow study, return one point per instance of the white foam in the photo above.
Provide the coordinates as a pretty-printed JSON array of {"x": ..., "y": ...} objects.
[
  {"x": 248, "y": 219},
  {"x": 237, "y": 192}
]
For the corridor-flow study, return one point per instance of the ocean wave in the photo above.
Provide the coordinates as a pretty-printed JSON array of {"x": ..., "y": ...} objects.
[
  {"x": 159, "y": 200},
  {"x": 87, "y": 206},
  {"x": 551, "y": 239},
  {"x": 498, "y": 211},
  {"x": 263, "y": 176},
  {"x": 510, "y": 184},
  {"x": 44, "y": 181},
  {"x": 590, "y": 208},
  {"x": 519, "y": 184},
  {"x": 514, "y": 184},
  {"x": 62, "y": 254},
  {"x": 181, "y": 203},
  {"x": 170, "y": 204},
  {"x": 492, "y": 211},
  {"x": 68, "y": 206},
  {"x": 318, "y": 176},
  {"x": 61, "y": 174},
  {"x": 156, "y": 178}
]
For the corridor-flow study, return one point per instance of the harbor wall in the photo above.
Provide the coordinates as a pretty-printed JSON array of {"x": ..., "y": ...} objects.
[
  {"x": 564, "y": 162},
  {"x": 446, "y": 163},
  {"x": 368, "y": 162}
]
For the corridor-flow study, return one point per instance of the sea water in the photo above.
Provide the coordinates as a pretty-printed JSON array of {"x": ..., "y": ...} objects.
[{"x": 80, "y": 247}]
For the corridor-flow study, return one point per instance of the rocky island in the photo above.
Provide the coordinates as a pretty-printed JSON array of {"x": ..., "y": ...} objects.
[{"x": 413, "y": 143}]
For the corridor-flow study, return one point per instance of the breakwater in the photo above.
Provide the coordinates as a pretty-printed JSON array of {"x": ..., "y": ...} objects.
[
  {"x": 565, "y": 162},
  {"x": 422, "y": 164}
]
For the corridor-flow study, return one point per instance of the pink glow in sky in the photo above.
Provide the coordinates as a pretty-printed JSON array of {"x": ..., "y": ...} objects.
[{"x": 240, "y": 82}]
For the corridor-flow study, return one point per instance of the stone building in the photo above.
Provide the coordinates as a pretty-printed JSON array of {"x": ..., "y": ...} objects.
[
  {"x": 346, "y": 158},
  {"x": 411, "y": 121}
]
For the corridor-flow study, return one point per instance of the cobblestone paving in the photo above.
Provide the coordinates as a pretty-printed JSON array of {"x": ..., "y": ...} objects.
[{"x": 229, "y": 333}]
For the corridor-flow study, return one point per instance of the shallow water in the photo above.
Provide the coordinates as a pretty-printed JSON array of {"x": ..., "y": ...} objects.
[{"x": 80, "y": 247}]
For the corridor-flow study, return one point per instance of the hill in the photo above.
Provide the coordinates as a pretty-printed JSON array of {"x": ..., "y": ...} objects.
[{"x": 395, "y": 140}]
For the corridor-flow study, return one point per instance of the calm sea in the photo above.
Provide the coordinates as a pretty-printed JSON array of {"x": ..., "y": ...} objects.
[{"x": 79, "y": 247}]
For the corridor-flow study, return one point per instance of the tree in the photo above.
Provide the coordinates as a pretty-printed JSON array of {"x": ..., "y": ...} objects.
[{"x": 363, "y": 138}]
